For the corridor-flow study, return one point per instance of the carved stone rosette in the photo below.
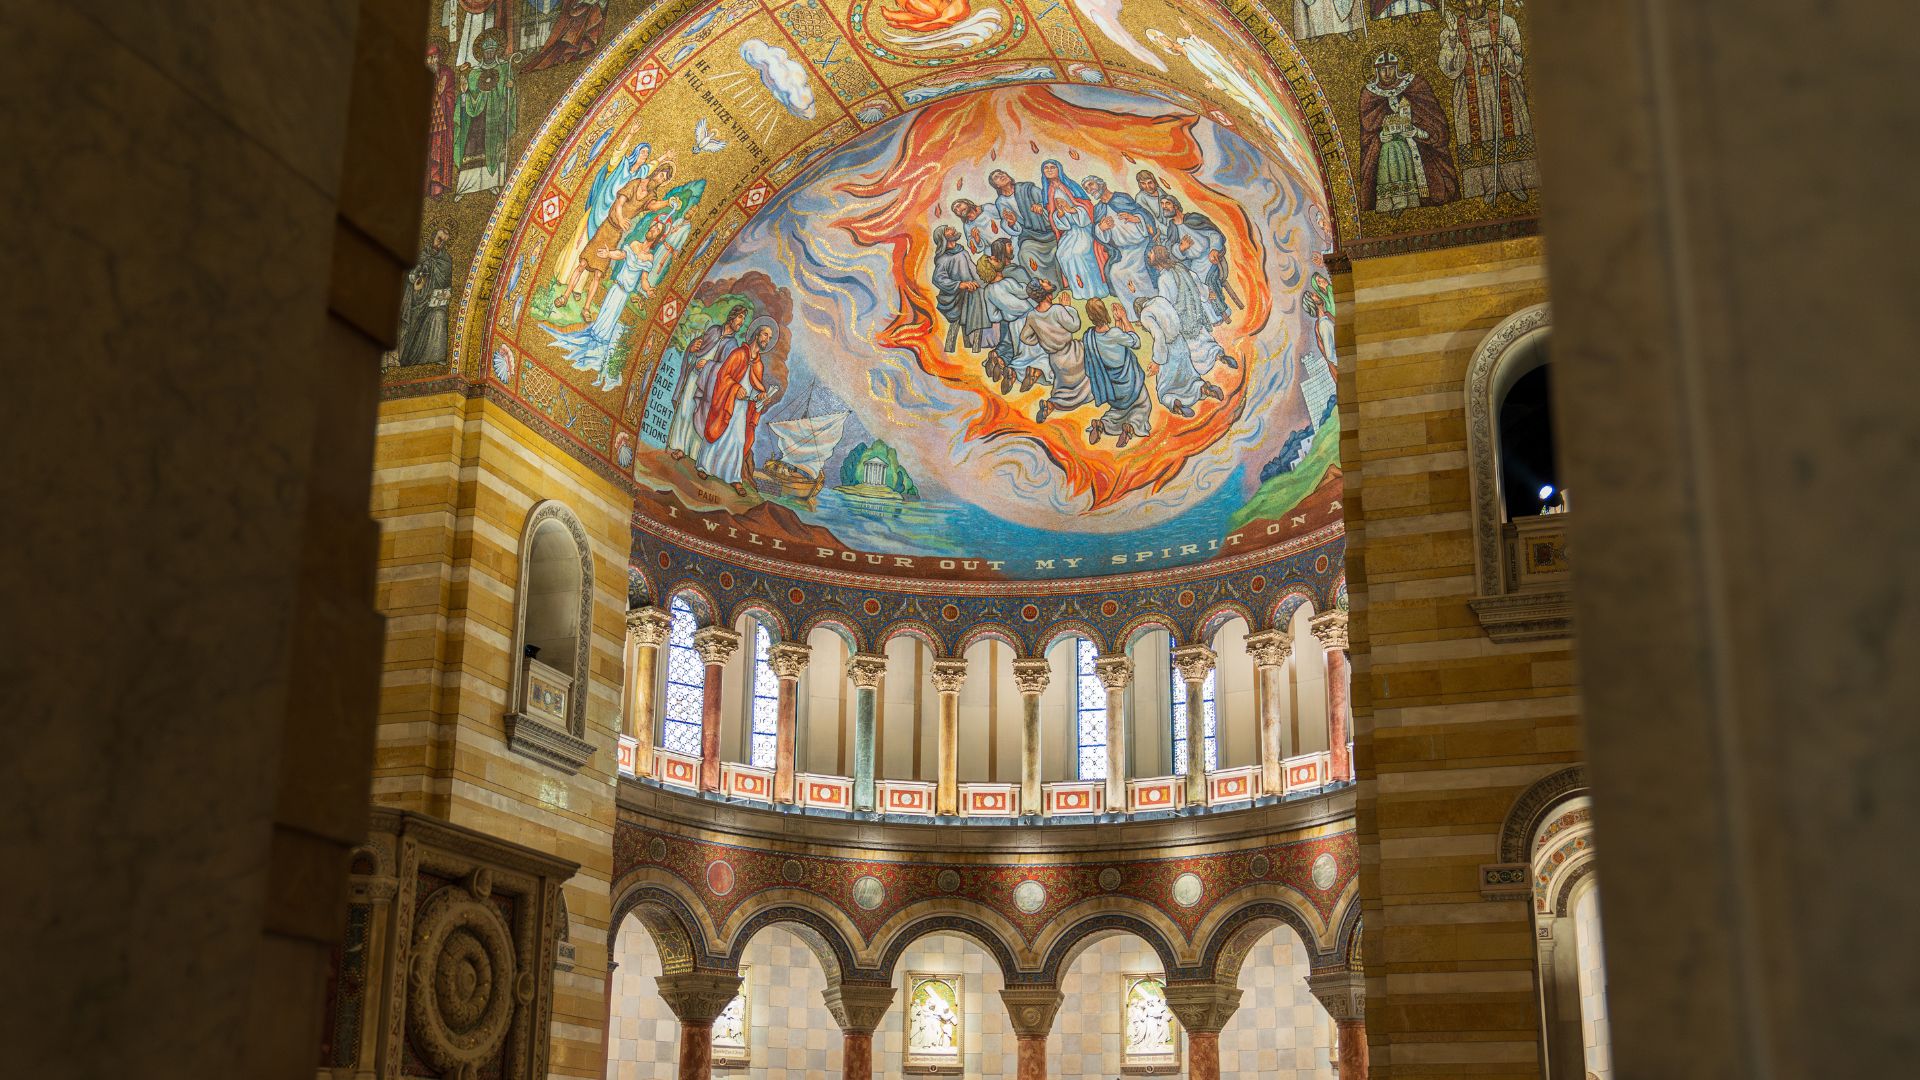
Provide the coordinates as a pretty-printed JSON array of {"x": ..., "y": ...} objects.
[
  {"x": 1032, "y": 676},
  {"x": 788, "y": 660},
  {"x": 460, "y": 961},
  {"x": 716, "y": 645}
]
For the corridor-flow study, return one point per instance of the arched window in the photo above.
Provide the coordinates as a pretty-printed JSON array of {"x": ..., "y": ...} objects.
[
  {"x": 1211, "y": 725},
  {"x": 686, "y": 683},
  {"x": 766, "y": 701},
  {"x": 1090, "y": 711},
  {"x": 552, "y": 638}
]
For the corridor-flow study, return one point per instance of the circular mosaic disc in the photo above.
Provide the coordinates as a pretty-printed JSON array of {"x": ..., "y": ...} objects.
[
  {"x": 720, "y": 877},
  {"x": 1259, "y": 865},
  {"x": 1187, "y": 889},
  {"x": 1029, "y": 896},
  {"x": 1325, "y": 871},
  {"x": 947, "y": 880},
  {"x": 869, "y": 893},
  {"x": 792, "y": 872},
  {"x": 1110, "y": 879},
  {"x": 656, "y": 849}
]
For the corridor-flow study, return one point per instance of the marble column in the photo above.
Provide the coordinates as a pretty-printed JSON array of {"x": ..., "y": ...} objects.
[
  {"x": 1270, "y": 650},
  {"x": 1194, "y": 662},
  {"x": 716, "y": 645},
  {"x": 948, "y": 675},
  {"x": 865, "y": 671},
  {"x": 1203, "y": 1008},
  {"x": 1031, "y": 1010},
  {"x": 1331, "y": 629},
  {"x": 1344, "y": 994},
  {"x": 697, "y": 999},
  {"x": 646, "y": 632},
  {"x": 859, "y": 1010},
  {"x": 1116, "y": 674},
  {"x": 788, "y": 661},
  {"x": 1031, "y": 676}
]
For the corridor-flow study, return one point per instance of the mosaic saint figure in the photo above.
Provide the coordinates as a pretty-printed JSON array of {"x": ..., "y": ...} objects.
[
  {"x": 976, "y": 225},
  {"x": 485, "y": 115},
  {"x": 1404, "y": 159},
  {"x": 1051, "y": 327},
  {"x": 574, "y": 35},
  {"x": 956, "y": 281},
  {"x": 423, "y": 311},
  {"x": 443, "y": 163},
  {"x": 1022, "y": 210},
  {"x": 608, "y": 185},
  {"x": 1190, "y": 306},
  {"x": 1481, "y": 52},
  {"x": 1005, "y": 281},
  {"x": 1393, "y": 9},
  {"x": 1082, "y": 262},
  {"x": 1127, "y": 230},
  {"x": 704, "y": 354},
  {"x": 591, "y": 348},
  {"x": 635, "y": 198},
  {"x": 1179, "y": 382},
  {"x": 1115, "y": 375},
  {"x": 1196, "y": 241},
  {"x": 1315, "y": 18},
  {"x": 740, "y": 390}
]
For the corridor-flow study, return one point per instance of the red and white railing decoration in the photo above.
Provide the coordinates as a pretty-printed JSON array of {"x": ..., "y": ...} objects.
[
  {"x": 990, "y": 800},
  {"x": 676, "y": 769},
  {"x": 824, "y": 792},
  {"x": 906, "y": 797},
  {"x": 1308, "y": 771},
  {"x": 746, "y": 782},
  {"x": 1070, "y": 798},
  {"x": 1159, "y": 793},
  {"x": 627, "y": 753},
  {"x": 1233, "y": 785}
]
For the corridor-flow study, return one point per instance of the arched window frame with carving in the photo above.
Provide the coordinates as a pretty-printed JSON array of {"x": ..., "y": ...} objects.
[{"x": 546, "y": 718}]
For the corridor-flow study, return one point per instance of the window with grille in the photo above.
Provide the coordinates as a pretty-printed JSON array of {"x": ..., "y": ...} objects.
[
  {"x": 1210, "y": 722},
  {"x": 1090, "y": 712},
  {"x": 766, "y": 701},
  {"x": 686, "y": 683}
]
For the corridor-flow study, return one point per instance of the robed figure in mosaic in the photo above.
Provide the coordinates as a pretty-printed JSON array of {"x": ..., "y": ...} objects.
[
  {"x": 1404, "y": 161},
  {"x": 1481, "y": 51}
]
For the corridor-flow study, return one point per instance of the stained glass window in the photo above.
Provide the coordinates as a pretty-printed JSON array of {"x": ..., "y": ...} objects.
[
  {"x": 766, "y": 701},
  {"x": 686, "y": 683},
  {"x": 1211, "y": 722},
  {"x": 1090, "y": 712}
]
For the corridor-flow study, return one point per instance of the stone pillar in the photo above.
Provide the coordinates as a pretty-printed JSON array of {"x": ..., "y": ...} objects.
[
  {"x": 1270, "y": 650},
  {"x": 859, "y": 1009},
  {"x": 1331, "y": 629},
  {"x": 1116, "y": 673},
  {"x": 1194, "y": 662},
  {"x": 1203, "y": 1008},
  {"x": 697, "y": 998},
  {"x": 1031, "y": 676},
  {"x": 865, "y": 672},
  {"x": 1344, "y": 994},
  {"x": 788, "y": 661},
  {"x": 947, "y": 677},
  {"x": 716, "y": 645},
  {"x": 646, "y": 632},
  {"x": 1031, "y": 1010}
]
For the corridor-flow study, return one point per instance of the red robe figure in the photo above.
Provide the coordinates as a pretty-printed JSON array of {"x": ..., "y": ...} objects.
[
  {"x": 733, "y": 412},
  {"x": 1406, "y": 156},
  {"x": 575, "y": 34},
  {"x": 443, "y": 167}
]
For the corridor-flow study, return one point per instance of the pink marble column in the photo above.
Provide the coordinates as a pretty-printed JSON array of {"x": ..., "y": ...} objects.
[
  {"x": 1331, "y": 629},
  {"x": 1270, "y": 650},
  {"x": 1203, "y": 1055},
  {"x": 1353, "y": 1049},
  {"x": 1031, "y": 1010},
  {"x": 788, "y": 662},
  {"x": 696, "y": 1050},
  {"x": 1344, "y": 995},
  {"x": 1033, "y": 1057},
  {"x": 856, "y": 1055},
  {"x": 716, "y": 645}
]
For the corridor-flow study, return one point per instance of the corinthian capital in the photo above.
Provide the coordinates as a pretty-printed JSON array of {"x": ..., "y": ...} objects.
[
  {"x": 858, "y": 1008},
  {"x": 1193, "y": 662},
  {"x": 647, "y": 626},
  {"x": 1331, "y": 629},
  {"x": 698, "y": 997},
  {"x": 1270, "y": 648},
  {"x": 1032, "y": 676},
  {"x": 788, "y": 660},
  {"x": 1114, "y": 672},
  {"x": 865, "y": 670},
  {"x": 1203, "y": 1006},
  {"x": 715, "y": 644},
  {"x": 948, "y": 675}
]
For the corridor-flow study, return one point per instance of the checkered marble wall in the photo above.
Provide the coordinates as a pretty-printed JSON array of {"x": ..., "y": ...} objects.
[{"x": 1280, "y": 1031}]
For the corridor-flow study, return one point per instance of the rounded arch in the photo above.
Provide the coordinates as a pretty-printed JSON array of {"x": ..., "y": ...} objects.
[
  {"x": 1226, "y": 948},
  {"x": 1531, "y": 808},
  {"x": 1144, "y": 623},
  {"x": 1222, "y": 613},
  {"x": 838, "y": 623},
  {"x": 1074, "y": 939},
  {"x": 948, "y": 922},
  {"x": 548, "y": 520},
  {"x": 821, "y": 935},
  {"x": 706, "y": 609},
  {"x": 668, "y": 920},
  {"x": 641, "y": 587},
  {"x": 1070, "y": 628},
  {"x": 990, "y": 631},
  {"x": 768, "y": 615},
  {"x": 1294, "y": 595},
  {"x": 915, "y": 629},
  {"x": 1502, "y": 356}
]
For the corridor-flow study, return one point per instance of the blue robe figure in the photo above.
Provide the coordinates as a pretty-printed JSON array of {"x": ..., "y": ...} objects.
[
  {"x": 1071, "y": 212},
  {"x": 591, "y": 348},
  {"x": 1117, "y": 379}
]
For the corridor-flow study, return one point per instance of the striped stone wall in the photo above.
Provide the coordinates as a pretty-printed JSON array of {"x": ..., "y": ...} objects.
[
  {"x": 454, "y": 481},
  {"x": 1450, "y": 727}
]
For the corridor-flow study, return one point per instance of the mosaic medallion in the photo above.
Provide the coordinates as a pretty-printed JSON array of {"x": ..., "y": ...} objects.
[
  {"x": 1187, "y": 889},
  {"x": 1029, "y": 896},
  {"x": 1325, "y": 871},
  {"x": 1110, "y": 879},
  {"x": 720, "y": 877},
  {"x": 947, "y": 880},
  {"x": 869, "y": 893},
  {"x": 656, "y": 849},
  {"x": 1259, "y": 865},
  {"x": 792, "y": 872}
]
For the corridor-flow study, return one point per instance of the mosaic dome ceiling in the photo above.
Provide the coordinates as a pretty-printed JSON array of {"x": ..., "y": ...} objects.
[{"x": 973, "y": 290}]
